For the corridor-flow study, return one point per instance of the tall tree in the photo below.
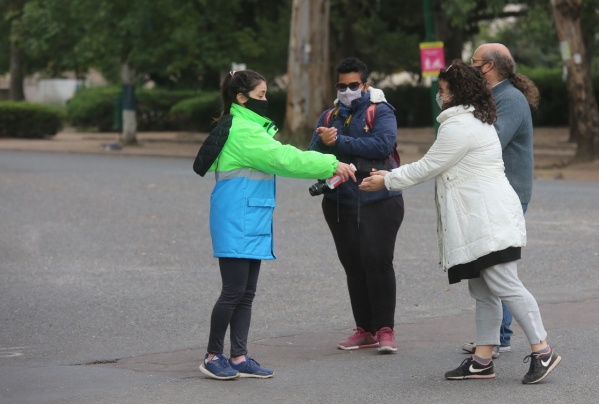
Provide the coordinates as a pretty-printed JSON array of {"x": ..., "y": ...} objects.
[
  {"x": 130, "y": 35},
  {"x": 585, "y": 112},
  {"x": 308, "y": 67},
  {"x": 13, "y": 18}
]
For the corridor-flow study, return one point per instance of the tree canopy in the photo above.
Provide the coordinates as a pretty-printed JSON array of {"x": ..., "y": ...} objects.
[{"x": 189, "y": 43}]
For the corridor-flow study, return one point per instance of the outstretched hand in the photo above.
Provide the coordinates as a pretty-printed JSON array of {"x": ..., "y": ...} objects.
[
  {"x": 375, "y": 182},
  {"x": 345, "y": 171}
]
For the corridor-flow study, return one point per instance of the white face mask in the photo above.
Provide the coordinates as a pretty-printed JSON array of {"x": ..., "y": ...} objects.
[
  {"x": 439, "y": 101},
  {"x": 348, "y": 96}
]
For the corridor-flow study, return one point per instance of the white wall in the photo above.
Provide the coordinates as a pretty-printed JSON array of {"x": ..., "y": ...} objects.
[{"x": 51, "y": 91}]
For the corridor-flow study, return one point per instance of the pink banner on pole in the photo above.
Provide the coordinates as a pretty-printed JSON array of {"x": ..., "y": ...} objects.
[{"x": 432, "y": 58}]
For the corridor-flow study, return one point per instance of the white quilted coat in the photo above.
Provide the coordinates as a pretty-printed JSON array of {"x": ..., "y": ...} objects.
[{"x": 478, "y": 211}]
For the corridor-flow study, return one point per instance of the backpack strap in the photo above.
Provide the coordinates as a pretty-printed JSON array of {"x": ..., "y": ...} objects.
[
  {"x": 327, "y": 117},
  {"x": 370, "y": 114}
]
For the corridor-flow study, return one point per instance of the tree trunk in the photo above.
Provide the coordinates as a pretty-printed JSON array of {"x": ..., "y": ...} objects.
[
  {"x": 129, "y": 133},
  {"x": 588, "y": 34},
  {"x": 16, "y": 91},
  {"x": 309, "y": 84},
  {"x": 573, "y": 136},
  {"x": 566, "y": 15},
  {"x": 17, "y": 72}
]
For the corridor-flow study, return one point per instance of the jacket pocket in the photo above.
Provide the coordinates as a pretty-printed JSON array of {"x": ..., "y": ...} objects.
[{"x": 258, "y": 216}]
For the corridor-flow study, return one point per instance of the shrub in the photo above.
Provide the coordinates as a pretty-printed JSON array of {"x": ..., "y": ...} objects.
[
  {"x": 413, "y": 105},
  {"x": 28, "y": 120},
  {"x": 100, "y": 108},
  {"x": 553, "y": 103},
  {"x": 154, "y": 105},
  {"x": 277, "y": 105},
  {"x": 94, "y": 107},
  {"x": 197, "y": 114},
  {"x": 159, "y": 109}
]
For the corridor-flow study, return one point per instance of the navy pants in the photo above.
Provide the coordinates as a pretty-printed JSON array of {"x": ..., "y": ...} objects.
[{"x": 234, "y": 305}]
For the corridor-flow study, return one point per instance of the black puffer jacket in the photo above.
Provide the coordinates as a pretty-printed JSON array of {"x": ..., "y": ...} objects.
[{"x": 212, "y": 146}]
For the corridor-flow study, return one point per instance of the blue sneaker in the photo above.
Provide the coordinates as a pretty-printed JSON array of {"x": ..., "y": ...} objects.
[
  {"x": 251, "y": 368},
  {"x": 218, "y": 368}
]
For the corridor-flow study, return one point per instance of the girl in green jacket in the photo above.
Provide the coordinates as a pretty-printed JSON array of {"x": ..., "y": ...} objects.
[{"x": 245, "y": 157}]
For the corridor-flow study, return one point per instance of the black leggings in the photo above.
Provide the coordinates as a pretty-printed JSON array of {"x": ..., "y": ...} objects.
[
  {"x": 365, "y": 250},
  {"x": 234, "y": 305}
]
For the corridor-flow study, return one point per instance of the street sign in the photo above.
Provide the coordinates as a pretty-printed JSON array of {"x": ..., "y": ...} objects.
[{"x": 432, "y": 58}]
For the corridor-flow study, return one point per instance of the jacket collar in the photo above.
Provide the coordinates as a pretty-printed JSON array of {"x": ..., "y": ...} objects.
[
  {"x": 245, "y": 113},
  {"x": 454, "y": 111},
  {"x": 501, "y": 87}
]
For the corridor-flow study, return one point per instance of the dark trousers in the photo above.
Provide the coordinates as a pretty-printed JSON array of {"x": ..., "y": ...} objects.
[
  {"x": 365, "y": 249},
  {"x": 234, "y": 305}
]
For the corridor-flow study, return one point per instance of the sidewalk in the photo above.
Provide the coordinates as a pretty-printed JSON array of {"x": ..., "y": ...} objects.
[{"x": 552, "y": 151}]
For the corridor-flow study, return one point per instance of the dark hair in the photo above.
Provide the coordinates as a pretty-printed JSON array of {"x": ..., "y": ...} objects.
[
  {"x": 506, "y": 68},
  {"x": 468, "y": 87},
  {"x": 234, "y": 83},
  {"x": 353, "y": 65}
]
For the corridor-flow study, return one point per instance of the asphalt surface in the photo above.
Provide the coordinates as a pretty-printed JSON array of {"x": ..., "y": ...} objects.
[{"x": 108, "y": 282}]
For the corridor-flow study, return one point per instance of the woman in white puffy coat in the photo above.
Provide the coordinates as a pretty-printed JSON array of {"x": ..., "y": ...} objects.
[{"x": 481, "y": 226}]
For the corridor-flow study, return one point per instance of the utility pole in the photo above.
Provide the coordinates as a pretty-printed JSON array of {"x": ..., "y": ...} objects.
[{"x": 431, "y": 36}]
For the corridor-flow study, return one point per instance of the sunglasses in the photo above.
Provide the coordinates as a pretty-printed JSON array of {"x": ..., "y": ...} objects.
[{"x": 352, "y": 86}]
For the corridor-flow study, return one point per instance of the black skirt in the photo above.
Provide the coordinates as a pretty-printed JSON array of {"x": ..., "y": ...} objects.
[{"x": 472, "y": 269}]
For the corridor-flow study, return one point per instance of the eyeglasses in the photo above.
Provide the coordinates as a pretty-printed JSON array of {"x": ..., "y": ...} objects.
[
  {"x": 472, "y": 61},
  {"x": 352, "y": 86}
]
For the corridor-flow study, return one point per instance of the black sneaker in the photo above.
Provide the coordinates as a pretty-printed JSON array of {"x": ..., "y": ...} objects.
[
  {"x": 471, "y": 369},
  {"x": 540, "y": 366}
]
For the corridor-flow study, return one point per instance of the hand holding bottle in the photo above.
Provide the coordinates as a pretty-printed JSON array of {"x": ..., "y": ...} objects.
[{"x": 342, "y": 174}]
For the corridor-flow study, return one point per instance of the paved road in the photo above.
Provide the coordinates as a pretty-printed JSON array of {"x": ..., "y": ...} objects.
[{"x": 108, "y": 282}]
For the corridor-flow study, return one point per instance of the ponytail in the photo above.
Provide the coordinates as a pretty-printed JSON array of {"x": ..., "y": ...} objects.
[
  {"x": 243, "y": 82},
  {"x": 506, "y": 67},
  {"x": 528, "y": 88}
]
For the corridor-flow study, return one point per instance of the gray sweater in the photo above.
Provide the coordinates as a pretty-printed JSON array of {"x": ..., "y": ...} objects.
[{"x": 514, "y": 127}]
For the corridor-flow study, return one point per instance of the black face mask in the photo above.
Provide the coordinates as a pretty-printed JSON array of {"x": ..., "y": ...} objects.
[
  {"x": 480, "y": 68},
  {"x": 257, "y": 106}
]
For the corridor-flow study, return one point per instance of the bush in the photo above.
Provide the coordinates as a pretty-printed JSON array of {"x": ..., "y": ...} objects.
[
  {"x": 413, "y": 105},
  {"x": 100, "y": 108},
  {"x": 28, "y": 120},
  {"x": 553, "y": 103},
  {"x": 159, "y": 109},
  {"x": 197, "y": 114},
  {"x": 153, "y": 108},
  {"x": 94, "y": 107},
  {"x": 277, "y": 106}
]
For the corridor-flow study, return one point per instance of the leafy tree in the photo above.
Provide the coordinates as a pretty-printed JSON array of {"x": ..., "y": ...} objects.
[
  {"x": 53, "y": 32},
  {"x": 584, "y": 114},
  {"x": 12, "y": 24}
]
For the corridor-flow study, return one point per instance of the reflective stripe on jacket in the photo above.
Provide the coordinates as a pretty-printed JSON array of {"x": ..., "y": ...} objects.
[{"x": 243, "y": 199}]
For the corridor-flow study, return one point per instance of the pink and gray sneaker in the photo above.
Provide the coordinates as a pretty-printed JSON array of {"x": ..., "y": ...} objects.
[
  {"x": 360, "y": 340},
  {"x": 386, "y": 338}
]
